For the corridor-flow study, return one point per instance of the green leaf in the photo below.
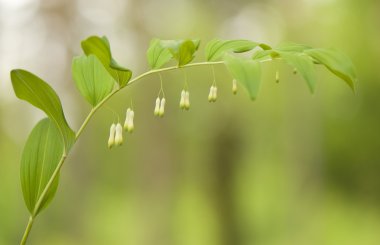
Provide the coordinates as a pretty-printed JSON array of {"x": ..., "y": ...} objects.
[
  {"x": 91, "y": 78},
  {"x": 304, "y": 65},
  {"x": 336, "y": 62},
  {"x": 41, "y": 155},
  {"x": 265, "y": 46},
  {"x": 216, "y": 48},
  {"x": 33, "y": 89},
  {"x": 157, "y": 54},
  {"x": 247, "y": 72},
  {"x": 100, "y": 47},
  {"x": 182, "y": 50},
  {"x": 174, "y": 45},
  {"x": 186, "y": 52},
  {"x": 260, "y": 55}
]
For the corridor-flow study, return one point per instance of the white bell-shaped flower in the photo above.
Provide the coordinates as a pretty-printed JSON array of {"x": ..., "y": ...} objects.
[
  {"x": 214, "y": 94},
  {"x": 182, "y": 100},
  {"x": 211, "y": 93},
  {"x": 111, "y": 139},
  {"x": 187, "y": 100},
  {"x": 130, "y": 126},
  {"x": 127, "y": 118},
  {"x": 277, "y": 77},
  {"x": 119, "y": 135},
  {"x": 157, "y": 107},
  {"x": 161, "y": 111},
  {"x": 234, "y": 86}
]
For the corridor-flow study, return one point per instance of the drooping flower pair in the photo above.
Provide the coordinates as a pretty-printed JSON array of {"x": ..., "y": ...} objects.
[
  {"x": 116, "y": 130},
  {"x": 116, "y": 135},
  {"x": 159, "y": 108},
  {"x": 212, "y": 96},
  {"x": 184, "y": 103}
]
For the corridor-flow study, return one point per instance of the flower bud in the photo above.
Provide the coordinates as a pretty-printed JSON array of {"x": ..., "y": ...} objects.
[
  {"x": 214, "y": 94},
  {"x": 162, "y": 108},
  {"x": 130, "y": 125},
  {"x": 119, "y": 135},
  {"x": 127, "y": 119},
  {"x": 157, "y": 107},
  {"x": 182, "y": 101},
  {"x": 211, "y": 94},
  {"x": 234, "y": 86},
  {"x": 277, "y": 77},
  {"x": 111, "y": 139},
  {"x": 187, "y": 100}
]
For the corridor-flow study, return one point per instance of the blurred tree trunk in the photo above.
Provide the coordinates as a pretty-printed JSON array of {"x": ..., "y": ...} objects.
[{"x": 227, "y": 145}]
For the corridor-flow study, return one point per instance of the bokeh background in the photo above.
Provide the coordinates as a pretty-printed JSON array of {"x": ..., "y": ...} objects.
[{"x": 288, "y": 169}]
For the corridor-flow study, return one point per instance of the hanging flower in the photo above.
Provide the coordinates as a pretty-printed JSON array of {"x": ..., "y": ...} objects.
[
  {"x": 162, "y": 108},
  {"x": 157, "y": 107},
  {"x": 182, "y": 100},
  {"x": 111, "y": 139},
  {"x": 119, "y": 135},
  {"x": 234, "y": 86},
  {"x": 128, "y": 125},
  {"x": 213, "y": 94},
  {"x": 277, "y": 77},
  {"x": 187, "y": 100}
]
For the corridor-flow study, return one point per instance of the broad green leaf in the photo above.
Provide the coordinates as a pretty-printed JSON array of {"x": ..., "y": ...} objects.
[
  {"x": 265, "y": 46},
  {"x": 216, "y": 48},
  {"x": 91, "y": 78},
  {"x": 260, "y": 55},
  {"x": 336, "y": 62},
  {"x": 157, "y": 54},
  {"x": 174, "y": 45},
  {"x": 304, "y": 65},
  {"x": 247, "y": 72},
  {"x": 182, "y": 50},
  {"x": 292, "y": 47},
  {"x": 186, "y": 52},
  {"x": 33, "y": 89},
  {"x": 41, "y": 155},
  {"x": 100, "y": 47}
]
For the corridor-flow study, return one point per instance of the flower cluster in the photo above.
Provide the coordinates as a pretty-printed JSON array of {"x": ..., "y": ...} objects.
[{"x": 116, "y": 132}]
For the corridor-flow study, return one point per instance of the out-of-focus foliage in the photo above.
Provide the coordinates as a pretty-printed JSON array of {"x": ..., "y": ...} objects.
[{"x": 289, "y": 168}]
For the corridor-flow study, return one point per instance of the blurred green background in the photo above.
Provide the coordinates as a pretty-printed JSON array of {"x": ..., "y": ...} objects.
[{"x": 288, "y": 169}]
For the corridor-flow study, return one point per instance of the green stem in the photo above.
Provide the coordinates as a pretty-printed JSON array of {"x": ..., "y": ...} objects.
[
  {"x": 83, "y": 126},
  {"x": 27, "y": 230}
]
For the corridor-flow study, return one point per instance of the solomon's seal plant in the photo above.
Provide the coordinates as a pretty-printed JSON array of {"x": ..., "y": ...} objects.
[{"x": 98, "y": 77}]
